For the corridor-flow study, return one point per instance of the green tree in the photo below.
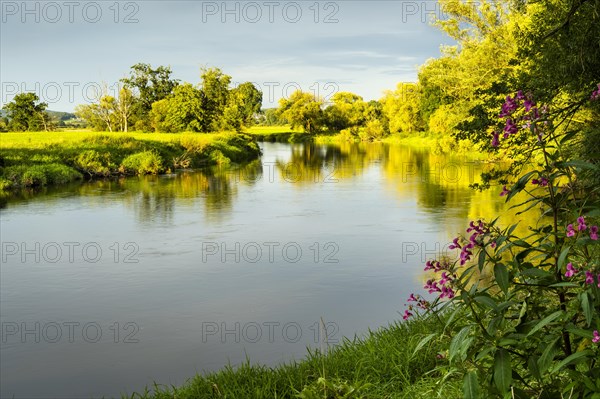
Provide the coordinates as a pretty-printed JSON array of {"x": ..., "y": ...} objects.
[
  {"x": 151, "y": 85},
  {"x": 347, "y": 110},
  {"x": 181, "y": 111},
  {"x": 402, "y": 108},
  {"x": 26, "y": 112},
  {"x": 215, "y": 87},
  {"x": 304, "y": 110}
]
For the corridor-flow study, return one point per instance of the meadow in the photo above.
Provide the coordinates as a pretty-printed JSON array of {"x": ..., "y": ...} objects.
[{"x": 33, "y": 159}]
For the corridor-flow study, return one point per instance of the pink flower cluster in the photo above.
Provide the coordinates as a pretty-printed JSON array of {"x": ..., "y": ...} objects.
[
  {"x": 478, "y": 230},
  {"x": 589, "y": 276},
  {"x": 510, "y": 106},
  {"x": 596, "y": 338},
  {"x": 419, "y": 303},
  {"x": 581, "y": 226},
  {"x": 596, "y": 94},
  {"x": 542, "y": 182}
]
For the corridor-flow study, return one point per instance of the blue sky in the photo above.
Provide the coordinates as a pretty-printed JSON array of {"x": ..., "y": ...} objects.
[{"x": 65, "y": 51}]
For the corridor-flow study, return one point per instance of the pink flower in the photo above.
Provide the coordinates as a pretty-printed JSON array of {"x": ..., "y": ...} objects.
[
  {"x": 412, "y": 298},
  {"x": 581, "y": 223},
  {"x": 543, "y": 182},
  {"x": 571, "y": 271},
  {"x": 454, "y": 244},
  {"x": 406, "y": 315},
  {"x": 495, "y": 139},
  {"x": 596, "y": 337},
  {"x": 505, "y": 191},
  {"x": 596, "y": 94},
  {"x": 493, "y": 244},
  {"x": 589, "y": 277},
  {"x": 570, "y": 231},
  {"x": 598, "y": 280},
  {"x": 594, "y": 233}
]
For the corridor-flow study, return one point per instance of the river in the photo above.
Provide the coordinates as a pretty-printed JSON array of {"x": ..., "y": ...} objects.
[{"x": 108, "y": 286}]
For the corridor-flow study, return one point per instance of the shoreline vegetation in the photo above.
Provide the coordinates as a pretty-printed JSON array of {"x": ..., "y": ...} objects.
[
  {"x": 392, "y": 362},
  {"x": 38, "y": 159}
]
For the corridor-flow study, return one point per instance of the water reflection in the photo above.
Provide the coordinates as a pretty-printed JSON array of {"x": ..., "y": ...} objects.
[{"x": 439, "y": 183}]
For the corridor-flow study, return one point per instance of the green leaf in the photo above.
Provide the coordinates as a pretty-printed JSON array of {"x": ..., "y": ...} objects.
[
  {"x": 502, "y": 370},
  {"x": 547, "y": 356},
  {"x": 487, "y": 301},
  {"x": 481, "y": 260},
  {"x": 588, "y": 309},
  {"x": 545, "y": 321},
  {"x": 457, "y": 341},
  {"x": 534, "y": 369},
  {"x": 570, "y": 359},
  {"x": 563, "y": 257},
  {"x": 501, "y": 274},
  {"x": 471, "y": 386},
  {"x": 424, "y": 342}
]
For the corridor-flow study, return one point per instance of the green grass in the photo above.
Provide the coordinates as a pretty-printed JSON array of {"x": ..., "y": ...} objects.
[
  {"x": 32, "y": 159},
  {"x": 383, "y": 364},
  {"x": 278, "y": 134}
]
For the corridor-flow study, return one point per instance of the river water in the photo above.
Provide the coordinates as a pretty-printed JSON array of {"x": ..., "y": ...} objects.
[{"x": 109, "y": 286}]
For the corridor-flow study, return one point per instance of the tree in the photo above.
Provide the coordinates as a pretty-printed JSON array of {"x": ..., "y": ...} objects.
[
  {"x": 302, "y": 110},
  {"x": 26, "y": 112},
  {"x": 215, "y": 86},
  {"x": 249, "y": 99},
  {"x": 181, "y": 111},
  {"x": 347, "y": 110},
  {"x": 402, "y": 108},
  {"x": 151, "y": 85},
  {"x": 123, "y": 107}
]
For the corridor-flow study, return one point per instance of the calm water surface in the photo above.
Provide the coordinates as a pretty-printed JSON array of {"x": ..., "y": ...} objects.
[{"x": 109, "y": 286}]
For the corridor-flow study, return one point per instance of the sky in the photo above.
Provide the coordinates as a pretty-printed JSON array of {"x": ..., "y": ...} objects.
[{"x": 68, "y": 51}]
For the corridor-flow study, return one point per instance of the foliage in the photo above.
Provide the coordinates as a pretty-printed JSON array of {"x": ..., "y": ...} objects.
[
  {"x": 38, "y": 159},
  {"x": 302, "y": 110},
  {"x": 142, "y": 163},
  {"x": 26, "y": 112},
  {"x": 527, "y": 308}
]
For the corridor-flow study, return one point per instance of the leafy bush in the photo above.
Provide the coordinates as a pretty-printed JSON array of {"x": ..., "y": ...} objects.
[
  {"x": 94, "y": 163},
  {"x": 142, "y": 163},
  {"x": 527, "y": 308}
]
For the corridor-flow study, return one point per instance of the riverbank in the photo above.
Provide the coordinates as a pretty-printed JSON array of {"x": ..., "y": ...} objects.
[
  {"x": 34, "y": 159},
  {"x": 384, "y": 364},
  {"x": 438, "y": 144}
]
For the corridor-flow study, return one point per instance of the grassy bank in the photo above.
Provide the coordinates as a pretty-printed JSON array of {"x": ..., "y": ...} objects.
[
  {"x": 32, "y": 159},
  {"x": 278, "y": 134},
  {"x": 381, "y": 365}
]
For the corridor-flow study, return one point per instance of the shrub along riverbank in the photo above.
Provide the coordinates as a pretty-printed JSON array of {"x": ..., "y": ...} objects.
[
  {"x": 387, "y": 363},
  {"x": 41, "y": 159}
]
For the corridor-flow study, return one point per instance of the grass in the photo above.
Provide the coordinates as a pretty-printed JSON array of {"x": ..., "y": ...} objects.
[
  {"x": 30, "y": 159},
  {"x": 278, "y": 134},
  {"x": 381, "y": 365}
]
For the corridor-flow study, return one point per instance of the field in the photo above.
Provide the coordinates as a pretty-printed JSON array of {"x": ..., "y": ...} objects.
[{"x": 40, "y": 158}]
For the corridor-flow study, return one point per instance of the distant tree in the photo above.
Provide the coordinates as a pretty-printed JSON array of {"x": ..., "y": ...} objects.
[
  {"x": 347, "y": 110},
  {"x": 215, "y": 86},
  {"x": 304, "y": 110},
  {"x": 249, "y": 99},
  {"x": 402, "y": 108},
  {"x": 151, "y": 85},
  {"x": 181, "y": 111},
  {"x": 26, "y": 112},
  {"x": 124, "y": 106}
]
